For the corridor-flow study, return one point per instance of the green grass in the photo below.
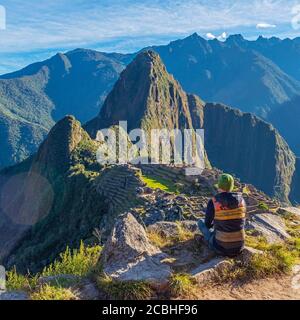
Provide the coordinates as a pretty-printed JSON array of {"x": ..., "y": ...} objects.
[
  {"x": 47, "y": 292},
  {"x": 181, "y": 284},
  {"x": 246, "y": 190},
  {"x": 275, "y": 259},
  {"x": 155, "y": 182},
  {"x": 263, "y": 206},
  {"x": 124, "y": 290},
  {"x": 160, "y": 240},
  {"x": 17, "y": 282},
  {"x": 77, "y": 262}
]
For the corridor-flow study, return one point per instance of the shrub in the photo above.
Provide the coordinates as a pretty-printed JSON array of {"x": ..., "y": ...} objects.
[
  {"x": 182, "y": 284},
  {"x": 15, "y": 281},
  {"x": 159, "y": 239},
  {"x": 47, "y": 292},
  {"x": 72, "y": 262},
  {"x": 124, "y": 290},
  {"x": 263, "y": 206},
  {"x": 76, "y": 262}
]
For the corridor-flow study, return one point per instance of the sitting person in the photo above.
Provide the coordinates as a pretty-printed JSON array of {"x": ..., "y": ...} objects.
[{"x": 224, "y": 224}]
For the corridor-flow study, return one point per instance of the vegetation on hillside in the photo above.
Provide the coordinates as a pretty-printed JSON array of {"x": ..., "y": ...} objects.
[
  {"x": 72, "y": 216},
  {"x": 155, "y": 182},
  {"x": 76, "y": 263}
]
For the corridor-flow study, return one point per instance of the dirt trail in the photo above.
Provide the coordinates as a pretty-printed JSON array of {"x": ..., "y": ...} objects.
[{"x": 267, "y": 289}]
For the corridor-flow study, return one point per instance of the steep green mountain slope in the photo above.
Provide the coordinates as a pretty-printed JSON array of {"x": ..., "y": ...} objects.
[
  {"x": 148, "y": 97},
  {"x": 295, "y": 189},
  {"x": 34, "y": 98},
  {"x": 42, "y": 198}
]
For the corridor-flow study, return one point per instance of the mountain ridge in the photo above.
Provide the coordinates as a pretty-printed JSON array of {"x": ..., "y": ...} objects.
[{"x": 64, "y": 94}]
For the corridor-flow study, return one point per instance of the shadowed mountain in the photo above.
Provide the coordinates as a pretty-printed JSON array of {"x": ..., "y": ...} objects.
[
  {"x": 252, "y": 149},
  {"x": 286, "y": 119}
]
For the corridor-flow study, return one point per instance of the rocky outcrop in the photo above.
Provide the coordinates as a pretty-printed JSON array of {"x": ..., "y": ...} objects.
[
  {"x": 289, "y": 211},
  {"x": 13, "y": 295},
  {"x": 270, "y": 226},
  {"x": 128, "y": 254},
  {"x": 208, "y": 271}
]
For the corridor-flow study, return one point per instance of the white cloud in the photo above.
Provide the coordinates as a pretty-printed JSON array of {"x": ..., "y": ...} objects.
[
  {"x": 221, "y": 37},
  {"x": 67, "y": 23},
  {"x": 265, "y": 26},
  {"x": 210, "y": 36}
]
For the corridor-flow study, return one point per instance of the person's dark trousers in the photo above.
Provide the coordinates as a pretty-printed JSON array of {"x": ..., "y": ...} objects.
[{"x": 209, "y": 235}]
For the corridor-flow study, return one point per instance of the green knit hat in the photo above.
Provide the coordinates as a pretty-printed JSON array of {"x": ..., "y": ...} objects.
[{"x": 226, "y": 182}]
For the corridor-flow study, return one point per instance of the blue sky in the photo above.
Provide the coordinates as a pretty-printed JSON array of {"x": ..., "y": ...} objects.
[{"x": 37, "y": 29}]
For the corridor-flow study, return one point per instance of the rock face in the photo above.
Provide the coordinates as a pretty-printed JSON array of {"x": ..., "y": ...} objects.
[
  {"x": 207, "y": 271},
  {"x": 270, "y": 226},
  {"x": 289, "y": 211},
  {"x": 250, "y": 148},
  {"x": 13, "y": 295},
  {"x": 128, "y": 254}
]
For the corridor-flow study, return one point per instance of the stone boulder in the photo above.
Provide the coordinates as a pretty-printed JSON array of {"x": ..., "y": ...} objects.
[
  {"x": 171, "y": 229},
  {"x": 128, "y": 254},
  {"x": 270, "y": 226},
  {"x": 206, "y": 272},
  {"x": 87, "y": 290},
  {"x": 13, "y": 295},
  {"x": 247, "y": 254}
]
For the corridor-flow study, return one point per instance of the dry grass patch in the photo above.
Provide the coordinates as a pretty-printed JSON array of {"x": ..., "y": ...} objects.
[
  {"x": 47, "y": 292},
  {"x": 124, "y": 290},
  {"x": 161, "y": 240}
]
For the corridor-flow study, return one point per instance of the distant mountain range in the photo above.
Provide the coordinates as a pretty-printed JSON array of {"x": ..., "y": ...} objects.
[
  {"x": 33, "y": 99},
  {"x": 262, "y": 77}
]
